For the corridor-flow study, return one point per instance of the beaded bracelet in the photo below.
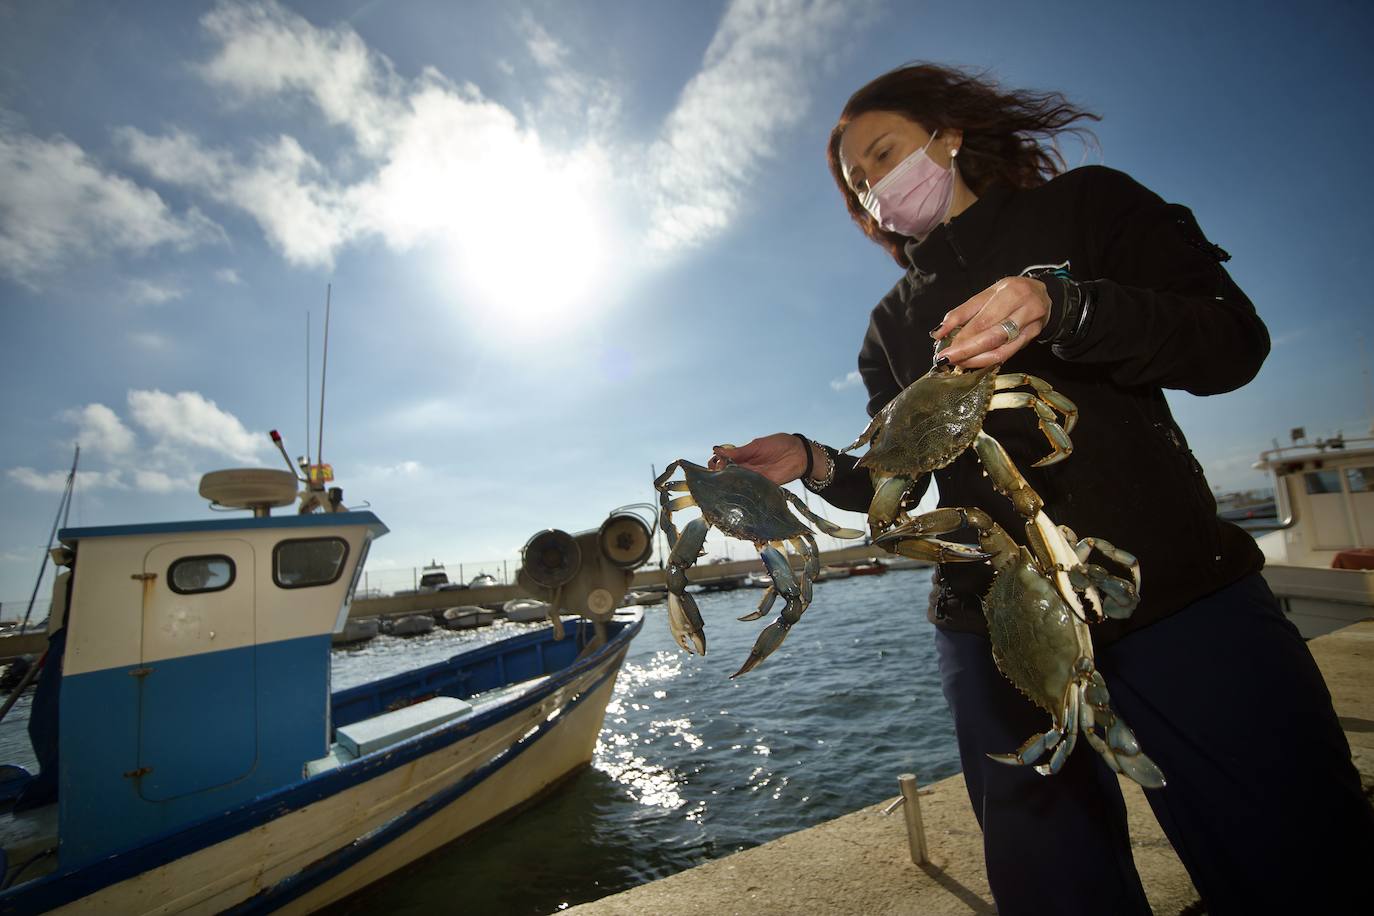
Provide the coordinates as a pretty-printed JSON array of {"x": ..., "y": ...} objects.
[{"x": 816, "y": 486}]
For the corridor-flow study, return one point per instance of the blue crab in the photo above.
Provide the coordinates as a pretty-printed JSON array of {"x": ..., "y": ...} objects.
[
  {"x": 937, "y": 417},
  {"x": 1039, "y": 642},
  {"x": 746, "y": 505}
]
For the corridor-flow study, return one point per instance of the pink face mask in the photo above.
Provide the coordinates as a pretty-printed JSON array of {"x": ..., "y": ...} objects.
[{"x": 914, "y": 197}]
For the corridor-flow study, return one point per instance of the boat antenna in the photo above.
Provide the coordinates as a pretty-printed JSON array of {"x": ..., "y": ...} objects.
[
  {"x": 307, "y": 391},
  {"x": 63, "y": 509},
  {"x": 324, "y": 369}
]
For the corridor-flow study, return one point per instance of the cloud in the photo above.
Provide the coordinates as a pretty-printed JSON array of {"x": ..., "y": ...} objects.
[
  {"x": 183, "y": 430},
  {"x": 283, "y": 187},
  {"x": 160, "y": 482},
  {"x": 228, "y": 275},
  {"x": 149, "y": 340},
  {"x": 56, "y": 481},
  {"x": 99, "y": 429},
  {"x": 187, "y": 418},
  {"x": 148, "y": 292},
  {"x": 429, "y": 158},
  {"x": 851, "y": 380},
  {"x": 58, "y": 205},
  {"x": 752, "y": 88}
]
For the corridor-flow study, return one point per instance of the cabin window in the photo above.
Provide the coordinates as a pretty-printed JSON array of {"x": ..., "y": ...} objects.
[
  {"x": 308, "y": 561},
  {"x": 196, "y": 575},
  {"x": 1325, "y": 481},
  {"x": 1360, "y": 480}
]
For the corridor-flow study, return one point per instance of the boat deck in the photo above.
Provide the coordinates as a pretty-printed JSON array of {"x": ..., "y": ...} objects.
[{"x": 860, "y": 863}]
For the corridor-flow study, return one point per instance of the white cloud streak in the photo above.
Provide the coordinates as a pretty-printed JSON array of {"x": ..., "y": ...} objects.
[
  {"x": 57, "y": 204},
  {"x": 188, "y": 418},
  {"x": 852, "y": 380},
  {"x": 56, "y": 481},
  {"x": 183, "y": 430},
  {"x": 752, "y": 88},
  {"x": 99, "y": 429}
]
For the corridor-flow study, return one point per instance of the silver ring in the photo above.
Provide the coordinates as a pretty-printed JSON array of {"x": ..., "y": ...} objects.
[{"x": 1012, "y": 329}]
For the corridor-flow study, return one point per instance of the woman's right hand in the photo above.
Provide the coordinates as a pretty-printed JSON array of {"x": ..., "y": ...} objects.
[{"x": 780, "y": 457}]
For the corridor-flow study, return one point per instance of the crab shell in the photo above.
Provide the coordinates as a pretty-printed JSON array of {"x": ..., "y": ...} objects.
[
  {"x": 1035, "y": 640},
  {"x": 931, "y": 422},
  {"x": 742, "y": 503}
]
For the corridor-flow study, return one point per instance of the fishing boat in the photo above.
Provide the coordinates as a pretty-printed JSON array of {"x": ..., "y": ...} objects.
[
  {"x": 432, "y": 578},
  {"x": 1319, "y": 560},
  {"x": 525, "y": 610},
  {"x": 198, "y": 760},
  {"x": 467, "y": 617}
]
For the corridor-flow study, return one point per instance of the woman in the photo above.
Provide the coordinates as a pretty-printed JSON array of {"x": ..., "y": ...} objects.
[{"x": 1091, "y": 282}]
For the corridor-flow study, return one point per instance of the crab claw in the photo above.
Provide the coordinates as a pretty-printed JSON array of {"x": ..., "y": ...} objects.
[
  {"x": 771, "y": 637},
  {"x": 684, "y": 620},
  {"x": 916, "y": 539}
]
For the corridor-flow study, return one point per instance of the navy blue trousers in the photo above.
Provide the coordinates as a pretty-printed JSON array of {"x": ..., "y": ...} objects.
[{"x": 1263, "y": 804}]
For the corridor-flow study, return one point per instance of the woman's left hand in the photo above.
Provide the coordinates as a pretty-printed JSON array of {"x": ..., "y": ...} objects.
[{"x": 983, "y": 340}]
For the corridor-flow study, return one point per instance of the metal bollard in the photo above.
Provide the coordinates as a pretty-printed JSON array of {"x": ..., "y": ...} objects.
[{"x": 915, "y": 826}]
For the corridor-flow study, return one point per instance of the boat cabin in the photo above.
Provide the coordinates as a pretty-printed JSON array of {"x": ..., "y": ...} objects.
[
  {"x": 1324, "y": 494},
  {"x": 195, "y": 673}
]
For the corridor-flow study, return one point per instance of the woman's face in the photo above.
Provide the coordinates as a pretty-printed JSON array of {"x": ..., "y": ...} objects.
[{"x": 875, "y": 141}]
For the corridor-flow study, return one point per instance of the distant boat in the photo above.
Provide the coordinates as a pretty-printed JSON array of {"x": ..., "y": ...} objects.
[
  {"x": 828, "y": 573},
  {"x": 525, "y": 610},
  {"x": 1319, "y": 560},
  {"x": 482, "y": 580},
  {"x": 467, "y": 617},
  {"x": 356, "y": 631},
  {"x": 865, "y": 567},
  {"x": 432, "y": 578},
  {"x": 413, "y": 625}
]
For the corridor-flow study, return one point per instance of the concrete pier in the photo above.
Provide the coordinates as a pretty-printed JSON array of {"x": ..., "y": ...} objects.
[{"x": 861, "y": 862}]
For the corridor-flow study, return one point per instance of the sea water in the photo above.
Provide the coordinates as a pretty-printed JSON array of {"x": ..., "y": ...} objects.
[{"x": 692, "y": 765}]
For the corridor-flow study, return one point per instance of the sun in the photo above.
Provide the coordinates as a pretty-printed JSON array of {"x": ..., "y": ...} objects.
[{"x": 538, "y": 257}]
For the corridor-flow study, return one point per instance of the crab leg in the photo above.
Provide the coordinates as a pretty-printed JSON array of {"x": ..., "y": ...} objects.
[
  {"x": 684, "y": 618},
  {"x": 1121, "y": 750},
  {"x": 869, "y": 434},
  {"x": 1057, "y": 558},
  {"x": 1087, "y": 545},
  {"x": 1049, "y": 422},
  {"x": 787, "y": 585},
  {"x": 1006, "y": 479},
  {"x": 770, "y": 594},
  {"x": 665, "y": 510},
  {"x": 1042, "y": 388},
  {"x": 918, "y": 537},
  {"x": 824, "y": 524},
  {"x": 887, "y": 501}
]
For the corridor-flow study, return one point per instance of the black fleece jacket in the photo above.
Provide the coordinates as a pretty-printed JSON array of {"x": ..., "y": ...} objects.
[{"x": 1166, "y": 315}]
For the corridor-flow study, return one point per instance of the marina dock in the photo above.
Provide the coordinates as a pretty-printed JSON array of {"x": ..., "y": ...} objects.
[{"x": 861, "y": 863}]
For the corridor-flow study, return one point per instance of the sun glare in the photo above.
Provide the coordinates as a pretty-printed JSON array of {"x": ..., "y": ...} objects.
[{"x": 537, "y": 260}]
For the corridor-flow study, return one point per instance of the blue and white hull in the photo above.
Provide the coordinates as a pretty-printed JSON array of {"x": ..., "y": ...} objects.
[{"x": 204, "y": 765}]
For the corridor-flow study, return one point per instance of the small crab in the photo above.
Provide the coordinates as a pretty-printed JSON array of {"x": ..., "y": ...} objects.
[
  {"x": 746, "y": 505},
  {"x": 1039, "y": 643},
  {"x": 935, "y": 418}
]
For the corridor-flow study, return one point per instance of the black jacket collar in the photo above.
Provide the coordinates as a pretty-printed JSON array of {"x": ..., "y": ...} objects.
[{"x": 954, "y": 242}]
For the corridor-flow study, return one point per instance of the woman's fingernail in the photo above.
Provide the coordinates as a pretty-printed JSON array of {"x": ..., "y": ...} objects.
[
  {"x": 936, "y": 328},
  {"x": 942, "y": 362}
]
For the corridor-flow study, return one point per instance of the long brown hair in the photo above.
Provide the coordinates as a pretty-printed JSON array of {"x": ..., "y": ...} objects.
[{"x": 1003, "y": 131}]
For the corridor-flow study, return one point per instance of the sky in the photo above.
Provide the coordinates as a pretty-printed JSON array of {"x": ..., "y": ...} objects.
[{"x": 569, "y": 242}]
